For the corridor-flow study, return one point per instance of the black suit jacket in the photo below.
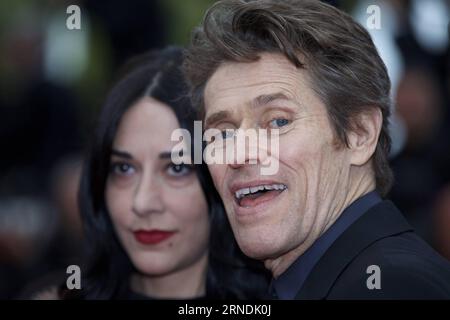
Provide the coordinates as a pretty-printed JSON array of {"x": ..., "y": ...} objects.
[{"x": 409, "y": 268}]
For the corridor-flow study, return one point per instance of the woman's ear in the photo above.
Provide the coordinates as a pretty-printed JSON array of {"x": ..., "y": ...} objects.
[{"x": 363, "y": 140}]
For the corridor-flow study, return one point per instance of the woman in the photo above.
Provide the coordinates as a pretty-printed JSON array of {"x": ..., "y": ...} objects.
[{"x": 155, "y": 229}]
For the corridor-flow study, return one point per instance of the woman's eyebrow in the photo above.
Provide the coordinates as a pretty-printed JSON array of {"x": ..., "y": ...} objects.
[
  {"x": 126, "y": 155},
  {"x": 165, "y": 155},
  {"x": 121, "y": 154}
]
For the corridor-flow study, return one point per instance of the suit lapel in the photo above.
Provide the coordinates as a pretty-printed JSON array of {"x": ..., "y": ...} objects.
[{"x": 382, "y": 220}]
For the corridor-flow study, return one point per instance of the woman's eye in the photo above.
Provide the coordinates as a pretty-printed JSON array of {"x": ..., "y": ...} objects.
[
  {"x": 178, "y": 170},
  {"x": 280, "y": 122},
  {"x": 226, "y": 134},
  {"x": 122, "y": 169}
]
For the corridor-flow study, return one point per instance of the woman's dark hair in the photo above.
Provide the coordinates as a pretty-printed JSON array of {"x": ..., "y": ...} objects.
[{"x": 106, "y": 273}]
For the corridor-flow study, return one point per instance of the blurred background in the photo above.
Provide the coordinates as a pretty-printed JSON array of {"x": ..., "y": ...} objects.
[{"x": 53, "y": 81}]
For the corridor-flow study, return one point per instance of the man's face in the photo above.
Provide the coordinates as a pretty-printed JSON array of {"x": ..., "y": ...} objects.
[{"x": 307, "y": 193}]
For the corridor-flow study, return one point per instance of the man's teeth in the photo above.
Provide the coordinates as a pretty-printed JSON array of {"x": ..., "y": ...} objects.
[{"x": 245, "y": 191}]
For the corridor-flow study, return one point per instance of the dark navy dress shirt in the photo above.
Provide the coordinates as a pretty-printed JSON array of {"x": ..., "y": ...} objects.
[{"x": 288, "y": 284}]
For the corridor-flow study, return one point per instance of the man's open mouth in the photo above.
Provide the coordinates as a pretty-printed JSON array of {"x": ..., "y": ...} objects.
[{"x": 252, "y": 196}]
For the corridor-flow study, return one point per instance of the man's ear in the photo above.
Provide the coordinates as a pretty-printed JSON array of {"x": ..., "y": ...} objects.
[{"x": 363, "y": 140}]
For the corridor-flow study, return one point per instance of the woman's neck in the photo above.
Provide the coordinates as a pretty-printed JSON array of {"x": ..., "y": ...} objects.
[{"x": 186, "y": 283}]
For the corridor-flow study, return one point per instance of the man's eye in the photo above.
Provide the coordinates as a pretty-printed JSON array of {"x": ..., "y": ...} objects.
[
  {"x": 277, "y": 123},
  {"x": 177, "y": 170},
  {"x": 123, "y": 169}
]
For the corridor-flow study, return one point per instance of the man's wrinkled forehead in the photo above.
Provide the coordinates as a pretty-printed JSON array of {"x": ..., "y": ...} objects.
[{"x": 237, "y": 83}]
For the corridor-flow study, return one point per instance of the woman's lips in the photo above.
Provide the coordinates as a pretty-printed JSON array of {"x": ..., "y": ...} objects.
[{"x": 152, "y": 236}]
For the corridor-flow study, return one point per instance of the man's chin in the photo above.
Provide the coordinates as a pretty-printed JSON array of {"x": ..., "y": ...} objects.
[{"x": 257, "y": 249}]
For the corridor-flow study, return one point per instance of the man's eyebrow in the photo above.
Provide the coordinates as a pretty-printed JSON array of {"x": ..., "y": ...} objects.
[
  {"x": 261, "y": 100},
  {"x": 121, "y": 154},
  {"x": 268, "y": 98},
  {"x": 216, "y": 117}
]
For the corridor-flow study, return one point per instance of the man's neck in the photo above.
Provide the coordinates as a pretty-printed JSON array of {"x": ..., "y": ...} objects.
[{"x": 359, "y": 188}]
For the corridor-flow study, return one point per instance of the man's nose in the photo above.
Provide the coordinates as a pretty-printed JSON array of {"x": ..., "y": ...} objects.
[
  {"x": 147, "y": 197},
  {"x": 244, "y": 150}
]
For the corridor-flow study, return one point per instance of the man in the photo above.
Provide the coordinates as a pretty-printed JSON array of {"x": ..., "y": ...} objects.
[{"x": 319, "y": 224}]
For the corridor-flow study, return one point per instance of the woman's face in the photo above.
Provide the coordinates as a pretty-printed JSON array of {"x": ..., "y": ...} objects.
[{"x": 158, "y": 209}]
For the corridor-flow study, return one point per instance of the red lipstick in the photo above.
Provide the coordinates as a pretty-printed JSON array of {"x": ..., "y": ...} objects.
[{"x": 152, "y": 236}]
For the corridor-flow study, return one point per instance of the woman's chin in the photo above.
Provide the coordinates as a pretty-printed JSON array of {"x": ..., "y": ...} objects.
[{"x": 152, "y": 267}]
